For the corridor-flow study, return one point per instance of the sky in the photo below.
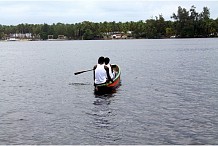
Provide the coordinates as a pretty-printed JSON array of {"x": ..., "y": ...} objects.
[{"x": 14, "y": 12}]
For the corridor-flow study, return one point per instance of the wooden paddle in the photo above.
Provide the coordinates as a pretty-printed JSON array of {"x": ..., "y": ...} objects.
[{"x": 76, "y": 73}]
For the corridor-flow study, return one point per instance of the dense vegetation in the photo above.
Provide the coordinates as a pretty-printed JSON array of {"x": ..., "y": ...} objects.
[{"x": 185, "y": 24}]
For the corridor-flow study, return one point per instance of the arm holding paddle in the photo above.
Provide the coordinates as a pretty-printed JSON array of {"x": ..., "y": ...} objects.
[{"x": 94, "y": 72}]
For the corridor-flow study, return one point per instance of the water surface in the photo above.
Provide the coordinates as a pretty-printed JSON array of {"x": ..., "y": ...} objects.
[{"x": 168, "y": 93}]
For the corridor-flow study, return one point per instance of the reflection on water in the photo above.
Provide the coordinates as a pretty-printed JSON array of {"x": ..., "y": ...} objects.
[
  {"x": 102, "y": 119},
  {"x": 104, "y": 98},
  {"x": 102, "y": 113}
]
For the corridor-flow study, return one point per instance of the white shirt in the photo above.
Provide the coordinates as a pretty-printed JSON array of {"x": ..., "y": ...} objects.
[
  {"x": 110, "y": 71},
  {"x": 100, "y": 74}
]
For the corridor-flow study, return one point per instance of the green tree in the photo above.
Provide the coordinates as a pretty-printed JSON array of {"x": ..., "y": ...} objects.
[
  {"x": 151, "y": 29},
  {"x": 194, "y": 18},
  {"x": 44, "y": 31},
  {"x": 182, "y": 22},
  {"x": 205, "y": 22}
]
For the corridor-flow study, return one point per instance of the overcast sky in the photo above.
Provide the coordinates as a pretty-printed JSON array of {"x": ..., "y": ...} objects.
[{"x": 13, "y": 12}]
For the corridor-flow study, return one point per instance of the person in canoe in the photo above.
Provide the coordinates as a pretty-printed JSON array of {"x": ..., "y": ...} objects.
[
  {"x": 101, "y": 72},
  {"x": 107, "y": 63}
]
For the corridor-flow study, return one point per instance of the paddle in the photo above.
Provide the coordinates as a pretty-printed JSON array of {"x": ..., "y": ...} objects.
[{"x": 76, "y": 73}]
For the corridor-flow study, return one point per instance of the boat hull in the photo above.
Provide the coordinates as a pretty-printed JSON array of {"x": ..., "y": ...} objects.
[{"x": 111, "y": 86}]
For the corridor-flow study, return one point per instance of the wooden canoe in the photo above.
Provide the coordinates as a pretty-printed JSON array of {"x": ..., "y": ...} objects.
[{"x": 110, "y": 86}]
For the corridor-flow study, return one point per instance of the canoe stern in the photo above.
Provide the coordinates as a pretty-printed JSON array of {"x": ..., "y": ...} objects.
[{"x": 110, "y": 86}]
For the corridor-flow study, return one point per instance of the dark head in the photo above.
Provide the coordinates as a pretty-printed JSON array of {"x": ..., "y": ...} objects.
[
  {"x": 106, "y": 60},
  {"x": 101, "y": 60}
]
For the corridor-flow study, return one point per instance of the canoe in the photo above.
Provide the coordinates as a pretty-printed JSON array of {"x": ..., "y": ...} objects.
[{"x": 110, "y": 86}]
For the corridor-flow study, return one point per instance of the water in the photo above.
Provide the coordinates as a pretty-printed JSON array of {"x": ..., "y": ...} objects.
[{"x": 169, "y": 93}]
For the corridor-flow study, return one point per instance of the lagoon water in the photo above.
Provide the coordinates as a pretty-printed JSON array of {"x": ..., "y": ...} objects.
[{"x": 168, "y": 93}]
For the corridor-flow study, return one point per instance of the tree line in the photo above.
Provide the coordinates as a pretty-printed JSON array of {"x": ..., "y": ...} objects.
[{"x": 185, "y": 24}]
